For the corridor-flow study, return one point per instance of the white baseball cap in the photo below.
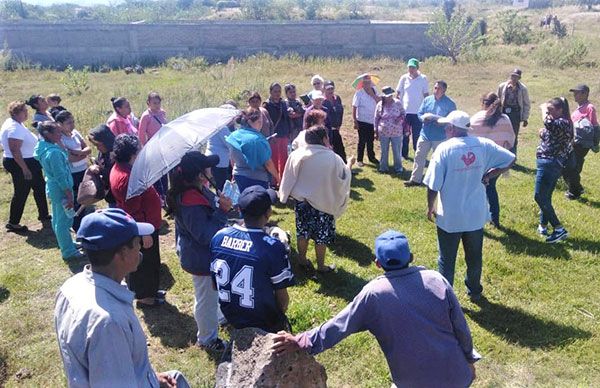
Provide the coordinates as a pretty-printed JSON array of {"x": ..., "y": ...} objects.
[
  {"x": 458, "y": 118},
  {"x": 317, "y": 95}
]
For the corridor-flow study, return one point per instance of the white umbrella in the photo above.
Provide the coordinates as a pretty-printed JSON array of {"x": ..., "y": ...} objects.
[{"x": 164, "y": 150}]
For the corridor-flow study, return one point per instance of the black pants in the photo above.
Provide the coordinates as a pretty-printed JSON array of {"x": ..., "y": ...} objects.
[
  {"x": 366, "y": 136},
  {"x": 144, "y": 282},
  {"x": 77, "y": 178},
  {"x": 22, "y": 187},
  {"x": 335, "y": 139},
  {"x": 416, "y": 125},
  {"x": 572, "y": 171},
  {"x": 515, "y": 119}
]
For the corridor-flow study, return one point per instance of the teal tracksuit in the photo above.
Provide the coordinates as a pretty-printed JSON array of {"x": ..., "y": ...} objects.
[{"x": 57, "y": 170}]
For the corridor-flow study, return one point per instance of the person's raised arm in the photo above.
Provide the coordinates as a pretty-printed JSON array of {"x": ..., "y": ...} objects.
[{"x": 14, "y": 145}]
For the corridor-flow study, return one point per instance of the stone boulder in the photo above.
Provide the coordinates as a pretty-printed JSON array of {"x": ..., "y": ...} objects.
[{"x": 253, "y": 364}]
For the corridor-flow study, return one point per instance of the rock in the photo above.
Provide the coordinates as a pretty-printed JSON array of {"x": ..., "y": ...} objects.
[
  {"x": 139, "y": 69},
  {"x": 128, "y": 70},
  {"x": 253, "y": 364},
  {"x": 23, "y": 373}
]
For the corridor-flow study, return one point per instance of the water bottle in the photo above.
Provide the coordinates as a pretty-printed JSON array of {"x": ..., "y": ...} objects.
[
  {"x": 70, "y": 212},
  {"x": 231, "y": 191}
]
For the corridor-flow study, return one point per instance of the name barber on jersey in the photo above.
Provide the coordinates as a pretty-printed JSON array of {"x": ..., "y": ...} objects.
[{"x": 236, "y": 244}]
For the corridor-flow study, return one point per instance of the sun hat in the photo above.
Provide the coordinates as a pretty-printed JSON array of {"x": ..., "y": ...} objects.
[
  {"x": 457, "y": 118},
  {"x": 110, "y": 228},
  {"x": 387, "y": 91},
  {"x": 256, "y": 200},
  {"x": 392, "y": 250},
  {"x": 414, "y": 62}
]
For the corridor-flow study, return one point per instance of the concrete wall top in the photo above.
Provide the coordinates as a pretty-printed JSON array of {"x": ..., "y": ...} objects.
[{"x": 79, "y": 44}]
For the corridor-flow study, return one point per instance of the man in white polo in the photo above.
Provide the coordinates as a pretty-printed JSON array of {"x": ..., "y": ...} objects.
[
  {"x": 459, "y": 169},
  {"x": 412, "y": 88}
]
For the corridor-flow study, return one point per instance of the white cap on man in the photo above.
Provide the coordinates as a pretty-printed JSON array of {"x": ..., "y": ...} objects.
[{"x": 457, "y": 118}]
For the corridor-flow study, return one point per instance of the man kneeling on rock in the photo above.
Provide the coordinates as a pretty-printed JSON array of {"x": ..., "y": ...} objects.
[
  {"x": 251, "y": 269},
  {"x": 414, "y": 315},
  {"x": 100, "y": 338}
]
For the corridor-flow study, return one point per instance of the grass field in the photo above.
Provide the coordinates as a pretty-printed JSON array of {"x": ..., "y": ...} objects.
[{"x": 538, "y": 326}]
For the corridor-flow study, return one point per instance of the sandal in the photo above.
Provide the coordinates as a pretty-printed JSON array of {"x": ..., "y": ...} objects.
[
  {"x": 17, "y": 228},
  {"x": 327, "y": 269}
]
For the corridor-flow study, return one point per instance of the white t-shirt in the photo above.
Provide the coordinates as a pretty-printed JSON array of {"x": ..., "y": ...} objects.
[
  {"x": 411, "y": 91},
  {"x": 12, "y": 129},
  {"x": 455, "y": 171},
  {"x": 365, "y": 106},
  {"x": 74, "y": 143}
]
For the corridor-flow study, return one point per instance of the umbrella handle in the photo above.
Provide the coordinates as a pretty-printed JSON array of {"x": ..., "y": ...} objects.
[{"x": 212, "y": 183}]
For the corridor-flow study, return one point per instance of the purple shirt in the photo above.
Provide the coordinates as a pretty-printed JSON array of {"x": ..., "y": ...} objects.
[{"x": 418, "y": 322}]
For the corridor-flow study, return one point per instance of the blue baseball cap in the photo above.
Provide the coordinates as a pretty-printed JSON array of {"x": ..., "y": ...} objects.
[
  {"x": 256, "y": 200},
  {"x": 392, "y": 250},
  {"x": 110, "y": 228}
]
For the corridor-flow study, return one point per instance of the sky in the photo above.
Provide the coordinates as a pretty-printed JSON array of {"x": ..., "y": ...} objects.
[{"x": 78, "y": 2}]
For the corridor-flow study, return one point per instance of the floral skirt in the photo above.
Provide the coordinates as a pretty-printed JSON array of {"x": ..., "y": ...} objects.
[{"x": 314, "y": 224}]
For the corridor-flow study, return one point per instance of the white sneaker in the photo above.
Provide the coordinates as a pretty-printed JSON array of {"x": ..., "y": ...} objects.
[
  {"x": 542, "y": 230},
  {"x": 360, "y": 164}
]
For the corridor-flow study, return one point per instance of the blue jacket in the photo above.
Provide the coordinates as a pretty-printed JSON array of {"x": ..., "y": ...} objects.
[
  {"x": 252, "y": 144},
  {"x": 56, "y": 166},
  {"x": 197, "y": 220}
]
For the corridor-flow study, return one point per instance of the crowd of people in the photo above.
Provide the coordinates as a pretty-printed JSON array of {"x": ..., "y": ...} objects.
[{"x": 287, "y": 148}]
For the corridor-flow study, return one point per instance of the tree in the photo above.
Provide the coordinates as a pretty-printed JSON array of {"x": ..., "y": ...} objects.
[
  {"x": 515, "y": 28},
  {"x": 456, "y": 36}
]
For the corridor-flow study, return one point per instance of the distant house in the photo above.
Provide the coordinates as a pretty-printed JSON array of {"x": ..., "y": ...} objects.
[{"x": 521, "y": 3}]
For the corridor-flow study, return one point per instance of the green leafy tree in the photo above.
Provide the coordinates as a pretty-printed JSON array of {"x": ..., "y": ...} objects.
[
  {"x": 456, "y": 36},
  {"x": 514, "y": 27},
  {"x": 256, "y": 9}
]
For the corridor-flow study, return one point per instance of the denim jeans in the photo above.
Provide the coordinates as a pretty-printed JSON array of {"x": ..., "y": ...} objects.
[
  {"x": 243, "y": 182},
  {"x": 415, "y": 125},
  {"x": 548, "y": 172},
  {"x": 448, "y": 249},
  {"x": 493, "y": 200},
  {"x": 396, "y": 152}
]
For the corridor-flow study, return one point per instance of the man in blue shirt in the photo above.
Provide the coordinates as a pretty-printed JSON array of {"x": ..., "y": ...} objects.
[
  {"x": 432, "y": 135},
  {"x": 456, "y": 199},
  {"x": 414, "y": 315},
  {"x": 100, "y": 338},
  {"x": 251, "y": 269}
]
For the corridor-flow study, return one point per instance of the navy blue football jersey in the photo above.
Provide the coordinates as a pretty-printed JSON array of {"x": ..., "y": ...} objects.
[{"x": 248, "y": 266}]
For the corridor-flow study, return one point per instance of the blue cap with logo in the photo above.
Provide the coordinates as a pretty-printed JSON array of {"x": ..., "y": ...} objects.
[
  {"x": 256, "y": 200},
  {"x": 110, "y": 228},
  {"x": 392, "y": 250}
]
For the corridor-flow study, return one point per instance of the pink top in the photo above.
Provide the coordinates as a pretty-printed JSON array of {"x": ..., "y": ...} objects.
[
  {"x": 502, "y": 133},
  {"x": 389, "y": 120},
  {"x": 585, "y": 111},
  {"x": 150, "y": 123},
  {"x": 119, "y": 124}
]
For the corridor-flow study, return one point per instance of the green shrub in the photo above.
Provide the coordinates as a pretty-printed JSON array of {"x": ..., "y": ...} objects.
[
  {"x": 76, "y": 82},
  {"x": 181, "y": 63},
  {"x": 514, "y": 28},
  {"x": 569, "y": 52},
  {"x": 455, "y": 37}
]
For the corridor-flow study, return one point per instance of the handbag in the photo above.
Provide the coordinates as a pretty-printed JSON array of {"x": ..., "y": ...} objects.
[{"x": 91, "y": 189}]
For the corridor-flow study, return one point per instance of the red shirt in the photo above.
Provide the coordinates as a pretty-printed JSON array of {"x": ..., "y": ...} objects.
[{"x": 143, "y": 208}]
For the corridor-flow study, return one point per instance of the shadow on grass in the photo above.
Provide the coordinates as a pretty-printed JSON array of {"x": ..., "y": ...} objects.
[
  {"x": 524, "y": 169},
  {"x": 591, "y": 246},
  {"x": 340, "y": 283},
  {"x": 4, "y": 294},
  {"x": 175, "y": 329},
  {"x": 515, "y": 242},
  {"x": 363, "y": 183},
  {"x": 522, "y": 328},
  {"x": 41, "y": 239},
  {"x": 346, "y": 246},
  {"x": 590, "y": 202}
]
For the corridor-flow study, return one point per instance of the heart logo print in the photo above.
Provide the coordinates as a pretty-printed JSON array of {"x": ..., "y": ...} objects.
[{"x": 468, "y": 158}]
